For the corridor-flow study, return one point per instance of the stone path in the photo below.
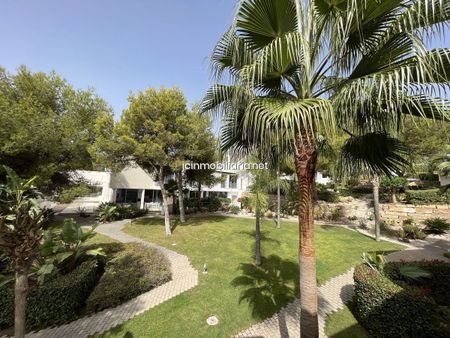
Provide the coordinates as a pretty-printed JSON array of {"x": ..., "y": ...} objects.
[
  {"x": 335, "y": 293},
  {"x": 286, "y": 323},
  {"x": 184, "y": 277},
  {"x": 331, "y": 296}
]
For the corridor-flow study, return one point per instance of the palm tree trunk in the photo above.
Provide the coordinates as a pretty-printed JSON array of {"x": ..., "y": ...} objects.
[
  {"x": 199, "y": 197},
  {"x": 278, "y": 200},
  {"x": 181, "y": 196},
  {"x": 376, "y": 206},
  {"x": 20, "y": 302},
  {"x": 257, "y": 236},
  {"x": 165, "y": 202},
  {"x": 394, "y": 195},
  {"x": 305, "y": 164}
]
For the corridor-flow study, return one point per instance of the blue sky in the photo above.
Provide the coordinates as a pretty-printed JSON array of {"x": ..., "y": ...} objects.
[{"x": 116, "y": 46}]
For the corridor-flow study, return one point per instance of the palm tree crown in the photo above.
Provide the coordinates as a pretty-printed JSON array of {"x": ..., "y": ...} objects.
[
  {"x": 292, "y": 71},
  {"x": 308, "y": 67}
]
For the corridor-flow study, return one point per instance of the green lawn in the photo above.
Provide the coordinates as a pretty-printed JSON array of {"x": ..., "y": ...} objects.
[
  {"x": 226, "y": 246},
  {"x": 342, "y": 324}
]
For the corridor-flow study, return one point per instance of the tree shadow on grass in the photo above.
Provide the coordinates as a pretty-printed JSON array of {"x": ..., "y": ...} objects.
[
  {"x": 263, "y": 235},
  {"x": 269, "y": 287}
]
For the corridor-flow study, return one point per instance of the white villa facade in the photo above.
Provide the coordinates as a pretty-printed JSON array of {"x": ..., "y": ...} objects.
[{"x": 134, "y": 186}]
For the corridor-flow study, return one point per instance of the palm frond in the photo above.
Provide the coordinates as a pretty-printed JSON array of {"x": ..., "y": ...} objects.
[
  {"x": 371, "y": 154},
  {"x": 279, "y": 121}
]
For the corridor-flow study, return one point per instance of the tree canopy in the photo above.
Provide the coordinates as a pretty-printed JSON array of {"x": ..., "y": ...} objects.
[{"x": 47, "y": 126}]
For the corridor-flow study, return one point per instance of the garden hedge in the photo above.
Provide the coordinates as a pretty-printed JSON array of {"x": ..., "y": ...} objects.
[
  {"x": 56, "y": 302},
  {"x": 395, "y": 309},
  {"x": 132, "y": 270},
  {"x": 430, "y": 196}
]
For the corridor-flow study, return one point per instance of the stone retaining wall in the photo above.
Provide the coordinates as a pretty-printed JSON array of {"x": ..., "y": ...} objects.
[{"x": 398, "y": 212}]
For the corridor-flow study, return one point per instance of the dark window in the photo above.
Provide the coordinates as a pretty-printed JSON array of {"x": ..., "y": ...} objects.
[
  {"x": 126, "y": 196},
  {"x": 152, "y": 196},
  {"x": 223, "y": 181},
  {"x": 233, "y": 181}
]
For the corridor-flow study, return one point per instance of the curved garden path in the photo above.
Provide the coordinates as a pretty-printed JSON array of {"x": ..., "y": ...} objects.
[
  {"x": 337, "y": 291},
  {"x": 184, "y": 277},
  {"x": 286, "y": 323}
]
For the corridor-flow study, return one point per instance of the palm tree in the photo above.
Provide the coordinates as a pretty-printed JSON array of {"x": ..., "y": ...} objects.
[
  {"x": 376, "y": 206},
  {"x": 299, "y": 69},
  {"x": 20, "y": 235},
  {"x": 264, "y": 181}
]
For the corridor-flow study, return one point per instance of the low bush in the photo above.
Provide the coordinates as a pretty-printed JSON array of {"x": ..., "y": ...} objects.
[
  {"x": 430, "y": 196},
  {"x": 68, "y": 194},
  {"x": 234, "y": 209},
  {"x": 210, "y": 204},
  {"x": 437, "y": 285},
  {"x": 410, "y": 230},
  {"x": 390, "y": 308},
  {"x": 108, "y": 212},
  {"x": 329, "y": 213},
  {"x": 132, "y": 269},
  {"x": 436, "y": 226},
  {"x": 361, "y": 190},
  {"x": 58, "y": 301},
  {"x": 324, "y": 194}
]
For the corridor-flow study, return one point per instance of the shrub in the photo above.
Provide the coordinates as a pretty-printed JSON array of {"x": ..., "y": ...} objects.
[
  {"x": 327, "y": 195},
  {"x": 68, "y": 194},
  {"x": 58, "y": 301},
  {"x": 437, "y": 226},
  {"x": 387, "y": 309},
  {"x": 108, "y": 212},
  {"x": 361, "y": 190},
  {"x": 234, "y": 209},
  {"x": 132, "y": 270},
  {"x": 374, "y": 260},
  {"x": 247, "y": 202},
  {"x": 337, "y": 214},
  {"x": 438, "y": 283},
  {"x": 130, "y": 212},
  {"x": 387, "y": 230},
  {"x": 410, "y": 230},
  {"x": 325, "y": 212},
  {"x": 210, "y": 204},
  {"x": 430, "y": 196},
  {"x": 65, "y": 249}
]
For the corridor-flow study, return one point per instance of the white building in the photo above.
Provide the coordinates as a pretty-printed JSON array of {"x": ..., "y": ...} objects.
[{"x": 135, "y": 186}]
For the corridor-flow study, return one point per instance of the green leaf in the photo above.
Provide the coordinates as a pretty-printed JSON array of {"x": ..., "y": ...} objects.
[
  {"x": 96, "y": 252},
  {"x": 413, "y": 272},
  {"x": 61, "y": 257}
]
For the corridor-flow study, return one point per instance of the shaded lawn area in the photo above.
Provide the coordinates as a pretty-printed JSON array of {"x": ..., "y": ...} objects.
[
  {"x": 234, "y": 290},
  {"x": 342, "y": 324}
]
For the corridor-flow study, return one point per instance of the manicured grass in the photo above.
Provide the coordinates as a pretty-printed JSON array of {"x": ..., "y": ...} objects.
[
  {"x": 226, "y": 246},
  {"x": 343, "y": 324}
]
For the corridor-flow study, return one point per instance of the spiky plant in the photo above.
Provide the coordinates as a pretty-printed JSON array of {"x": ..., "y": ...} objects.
[{"x": 297, "y": 69}]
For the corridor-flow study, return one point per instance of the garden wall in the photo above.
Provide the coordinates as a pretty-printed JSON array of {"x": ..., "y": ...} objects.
[{"x": 397, "y": 212}]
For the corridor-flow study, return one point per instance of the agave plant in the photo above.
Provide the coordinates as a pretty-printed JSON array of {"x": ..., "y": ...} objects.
[
  {"x": 374, "y": 260},
  {"x": 298, "y": 69}
]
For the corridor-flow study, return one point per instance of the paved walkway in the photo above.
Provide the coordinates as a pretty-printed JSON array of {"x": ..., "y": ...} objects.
[
  {"x": 184, "y": 277},
  {"x": 336, "y": 292},
  {"x": 286, "y": 323}
]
